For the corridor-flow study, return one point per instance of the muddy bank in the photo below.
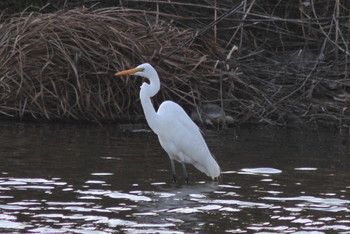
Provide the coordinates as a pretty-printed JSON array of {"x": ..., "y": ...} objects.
[{"x": 262, "y": 62}]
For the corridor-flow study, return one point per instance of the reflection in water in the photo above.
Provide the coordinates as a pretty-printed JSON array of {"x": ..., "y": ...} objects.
[{"x": 64, "y": 178}]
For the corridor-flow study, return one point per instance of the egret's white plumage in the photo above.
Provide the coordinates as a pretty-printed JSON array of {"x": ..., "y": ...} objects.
[{"x": 179, "y": 136}]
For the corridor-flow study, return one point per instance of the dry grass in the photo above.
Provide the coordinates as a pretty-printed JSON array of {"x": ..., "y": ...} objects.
[
  {"x": 262, "y": 60},
  {"x": 61, "y": 65},
  {"x": 291, "y": 58}
]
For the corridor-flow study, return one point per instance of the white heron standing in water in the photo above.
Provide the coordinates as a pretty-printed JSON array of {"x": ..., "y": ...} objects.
[{"x": 179, "y": 136}]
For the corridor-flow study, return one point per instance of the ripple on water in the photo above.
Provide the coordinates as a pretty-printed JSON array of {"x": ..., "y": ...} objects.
[
  {"x": 316, "y": 203},
  {"x": 9, "y": 224},
  {"x": 305, "y": 168},
  {"x": 127, "y": 196},
  {"x": 48, "y": 230},
  {"x": 102, "y": 174},
  {"x": 12, "y": 207},
  {"x": 7, "y": 217},
  {"x": 242, "y": 204},
  {"x": 30, "y": 183},
  {"x": 95, "y": 182},
  {"x": 259, "y": 171},
  {"x": 94, "y": 192}
]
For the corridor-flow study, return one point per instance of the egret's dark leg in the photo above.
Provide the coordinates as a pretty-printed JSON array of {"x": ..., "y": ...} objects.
[
  {"x": 185, "y": 172},
  {"x": 173, "y": 170},
  {"x": 218, "y": 179}
]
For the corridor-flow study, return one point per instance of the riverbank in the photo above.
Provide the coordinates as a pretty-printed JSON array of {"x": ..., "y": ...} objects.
[{"x": 261, "y": 62}]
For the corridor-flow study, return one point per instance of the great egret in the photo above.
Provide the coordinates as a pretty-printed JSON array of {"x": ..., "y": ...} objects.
[{"x": 179, "y": 136}]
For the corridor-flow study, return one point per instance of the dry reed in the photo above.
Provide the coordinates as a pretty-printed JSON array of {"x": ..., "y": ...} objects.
[
  {"x": 61, "y": 65},
  {"x": 262, "y": 60},
  {"x": 290, "y": 59}
]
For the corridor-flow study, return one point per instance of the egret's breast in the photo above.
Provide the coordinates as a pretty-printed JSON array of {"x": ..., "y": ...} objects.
[{"x": 170, "y": 148}]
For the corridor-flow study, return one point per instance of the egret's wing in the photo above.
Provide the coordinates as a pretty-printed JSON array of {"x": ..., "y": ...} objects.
[{"x": 172, "y": 111}]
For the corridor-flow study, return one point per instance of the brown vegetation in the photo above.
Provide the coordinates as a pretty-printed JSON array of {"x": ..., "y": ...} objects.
[
  {"x": 61, "y": 65},
  {"x": 263, "y": 61}
]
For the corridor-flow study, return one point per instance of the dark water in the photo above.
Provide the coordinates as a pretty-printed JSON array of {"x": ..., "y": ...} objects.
[{"x": 87, "y": 179}]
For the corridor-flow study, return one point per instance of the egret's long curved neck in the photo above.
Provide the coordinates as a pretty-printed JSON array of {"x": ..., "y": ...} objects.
[{"x": 147, "y": 91}]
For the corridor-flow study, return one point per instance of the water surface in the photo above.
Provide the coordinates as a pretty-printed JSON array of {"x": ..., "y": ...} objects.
[{"x": 86, "y": 179}]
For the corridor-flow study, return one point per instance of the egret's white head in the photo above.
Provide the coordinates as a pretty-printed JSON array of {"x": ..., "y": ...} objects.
[
  {"x": 147, "y": 71},
  {"x": 144, "y": 70}
]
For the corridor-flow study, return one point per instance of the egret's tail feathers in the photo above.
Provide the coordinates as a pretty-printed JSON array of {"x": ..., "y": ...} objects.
[
  {"x": 210, "y": 168},
  {"x": 214, "y": 170}
]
